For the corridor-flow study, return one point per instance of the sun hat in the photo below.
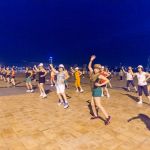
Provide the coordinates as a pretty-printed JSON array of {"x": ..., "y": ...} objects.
[
  {"x": 61, "y": 66},
  {"x": 140, "y": 66},
  {"x": 41, "y": 65},
  {"x": 77, "y": 68}
]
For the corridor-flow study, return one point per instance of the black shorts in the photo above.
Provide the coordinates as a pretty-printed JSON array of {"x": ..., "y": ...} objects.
[
  {"x": 12, "y": 77},
  {"x": 34, "y": 77},
  {"x": 42, "y": 80},
  {"x": 142, "y": 89},
  {"x": 7, "y": 76},
  {"x": 103, "y": 86},
  {"x": 130, "y": 82}
]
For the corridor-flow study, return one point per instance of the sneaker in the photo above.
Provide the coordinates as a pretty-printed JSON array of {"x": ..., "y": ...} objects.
[
  {"x": 102, "y": 95},
  {"x": 77, "y": 91},
  {"x": 81, "y": 91},
  {"x": 44, "y": 96},
  {"x": 140, "y": 102},
  {"x": 41, "y": 95},
  {"x": 108, "y": 96},
  {"x": 28, "y": 91},
  {"x": 107, "y": 122},
  {"x": 66, "y": 105},
  {"x": 32, "y": 91},
  {"x": 128, "y": 90},
  {"x": 60, "y": 103}
]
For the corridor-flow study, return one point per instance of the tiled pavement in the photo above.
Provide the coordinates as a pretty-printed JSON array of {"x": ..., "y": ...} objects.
[{"x": 30, "y": 123}]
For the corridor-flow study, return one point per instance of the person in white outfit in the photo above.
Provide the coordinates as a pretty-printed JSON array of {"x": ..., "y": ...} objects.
[
  {"x": 129, "y": 78},
  {"x": 62, "y": 75},
  {"x": 142, "y": 83}
]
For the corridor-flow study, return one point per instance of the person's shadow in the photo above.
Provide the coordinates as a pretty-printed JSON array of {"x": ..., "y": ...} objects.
[
  {"x": 91, "y": 112},
  {"x": 134, "y": 98},
  {"x": 144, "y": 118}
]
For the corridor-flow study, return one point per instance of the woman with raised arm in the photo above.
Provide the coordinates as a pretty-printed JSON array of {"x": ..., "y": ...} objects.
[
  {"x": 28, "y": 75},
  {"x": 1, "y": 75},
  {"x": 4, "y": 74},
  {"x": 42, "y": 75},
  {"x": 34, "y": 75},
  {"x": 8, "y": 73},
  {"x": 96, "y": 90},
  {"x": 104, "y": 87},
  {"x": 129, "y": 78},
  {"x": 62, "y": 75},
  {"x": 109, "y": 76},
  {"x": 77, "y": 74},
  {"x": 13, "y": 75},
  {"x": 142, "y": 83},
  {"x": 52, "y": 77}
]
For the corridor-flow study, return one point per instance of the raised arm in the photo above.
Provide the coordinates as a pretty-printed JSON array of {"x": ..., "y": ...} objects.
[
  {"x": 35, "y": 67},
  {"x": 31, "y": 74},
  {"x": 72, "y": 70},
  {"x": 53, "y": 69},
  {"x": 123, "y": 70},
  {"x": 90, "y": 63},
  {"x": 34, "y": 70}
]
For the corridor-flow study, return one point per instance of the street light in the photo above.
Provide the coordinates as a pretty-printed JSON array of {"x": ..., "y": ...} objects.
[{"x": 51, "y": 60}]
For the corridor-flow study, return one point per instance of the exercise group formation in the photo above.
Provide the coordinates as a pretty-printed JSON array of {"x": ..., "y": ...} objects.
[{"x": 100, "y": 79}]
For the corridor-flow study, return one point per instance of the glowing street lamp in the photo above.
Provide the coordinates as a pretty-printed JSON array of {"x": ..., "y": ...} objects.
[{"x": 51, "y": 60}]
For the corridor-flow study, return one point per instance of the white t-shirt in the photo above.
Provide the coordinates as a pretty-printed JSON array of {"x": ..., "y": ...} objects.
[
  {"x": 60, "y": 78},
  {"x": 129, "y": 76},
  {"x": 141, "y": 78}
]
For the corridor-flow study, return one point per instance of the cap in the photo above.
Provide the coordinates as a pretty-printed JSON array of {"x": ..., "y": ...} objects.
[
  {"x": 77, "y": 68},
  {"x": 41, "y": 65},
  {"x": 61, "y": 66},
  {"x": 140, "y": 66}
]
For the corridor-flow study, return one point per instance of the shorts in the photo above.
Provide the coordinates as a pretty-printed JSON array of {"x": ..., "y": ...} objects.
[
  {"x": 130, "y": 82},
  {"x": 60, "y": 88},
  {"x": 28, "y": 80},
  {"x": 7, "y": 76},
  {"x": 142, "y": 89},
  {"x": 66, "y": 81},
  {"x": 42, "y": 80},
  {"x": 103, "y": 86},
  {"x": 12, "y": 77},
  {"x": 97, "y": 92},
  {"x": 34, "y": 77}
]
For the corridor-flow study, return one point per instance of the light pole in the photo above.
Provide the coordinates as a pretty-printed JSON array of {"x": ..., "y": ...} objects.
[{"x": 51, "y": 60}]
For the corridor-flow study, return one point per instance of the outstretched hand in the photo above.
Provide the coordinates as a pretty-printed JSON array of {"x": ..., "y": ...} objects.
[
  {"x": 93, "y": 57},
  {"x": 51, "y": 65}
]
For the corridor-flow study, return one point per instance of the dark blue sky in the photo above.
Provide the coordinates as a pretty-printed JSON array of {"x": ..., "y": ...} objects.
[{"x": 119, "y": 31}]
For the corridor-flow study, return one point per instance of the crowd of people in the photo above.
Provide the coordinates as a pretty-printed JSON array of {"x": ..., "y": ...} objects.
[{"x": 100, "y": 79}]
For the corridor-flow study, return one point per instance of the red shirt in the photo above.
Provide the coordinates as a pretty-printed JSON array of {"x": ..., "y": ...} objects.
[{"x": 105, "y": 74}]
